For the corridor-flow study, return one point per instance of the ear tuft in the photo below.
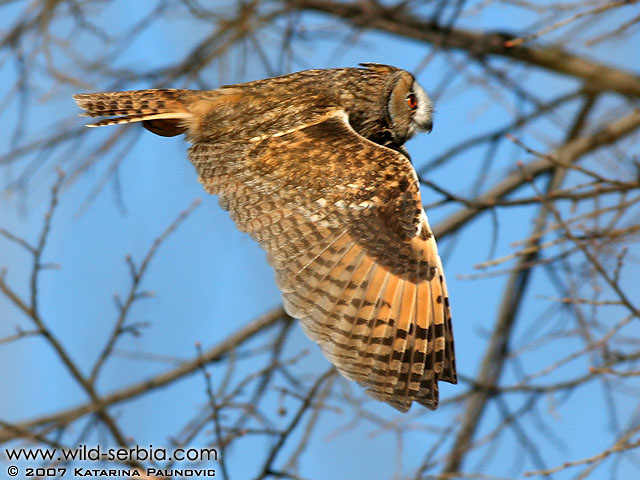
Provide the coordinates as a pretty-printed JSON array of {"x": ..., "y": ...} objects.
[{"x": 379, "y": 67}]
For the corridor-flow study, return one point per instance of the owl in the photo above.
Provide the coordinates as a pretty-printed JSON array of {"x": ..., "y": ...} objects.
[{"x": 313, "y": 166}]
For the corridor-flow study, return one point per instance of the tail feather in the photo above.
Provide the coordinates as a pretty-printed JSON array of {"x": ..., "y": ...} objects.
[{"x": 163, "y": 112}]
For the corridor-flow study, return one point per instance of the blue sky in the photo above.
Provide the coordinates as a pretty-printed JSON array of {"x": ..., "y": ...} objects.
[{"x": 209, "y": 279}]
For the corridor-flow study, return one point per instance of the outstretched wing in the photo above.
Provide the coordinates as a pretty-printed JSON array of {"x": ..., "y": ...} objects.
[{"x": 342, "y": 222}]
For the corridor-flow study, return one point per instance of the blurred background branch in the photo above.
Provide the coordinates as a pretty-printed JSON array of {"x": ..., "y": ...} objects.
[{"x": 531, "y": 175}]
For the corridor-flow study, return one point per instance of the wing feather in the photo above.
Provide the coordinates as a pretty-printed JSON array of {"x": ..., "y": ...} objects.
[
  {"x": 350, "y": 273},
  {"x": 342, "y": 223}
]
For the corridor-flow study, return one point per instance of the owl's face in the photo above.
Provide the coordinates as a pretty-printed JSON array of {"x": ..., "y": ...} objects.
[{"x": 410, "y": 108}]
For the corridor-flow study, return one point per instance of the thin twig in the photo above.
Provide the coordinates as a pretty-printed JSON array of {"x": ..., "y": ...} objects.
[
  {"x": 187, "y": 368},
  {"x": 307, "y": 402},
  {"x": 137, "y": 275}
]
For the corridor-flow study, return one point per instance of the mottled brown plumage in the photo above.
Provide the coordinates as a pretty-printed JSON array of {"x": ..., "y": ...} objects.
[{"x": 312, "y": 165}]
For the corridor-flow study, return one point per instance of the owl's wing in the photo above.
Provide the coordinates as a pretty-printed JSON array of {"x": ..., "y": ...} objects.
[{"x": 342, "y": 222}]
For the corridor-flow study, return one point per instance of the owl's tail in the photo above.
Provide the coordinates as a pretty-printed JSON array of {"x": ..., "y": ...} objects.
[{"x": 163, "y": 112}]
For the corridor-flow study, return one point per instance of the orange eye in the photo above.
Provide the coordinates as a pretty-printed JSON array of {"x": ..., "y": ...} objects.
[{"x": 412, "y": 101}]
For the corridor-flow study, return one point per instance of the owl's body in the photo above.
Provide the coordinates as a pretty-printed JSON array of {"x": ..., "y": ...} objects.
[{"x": 312, "y": 166}]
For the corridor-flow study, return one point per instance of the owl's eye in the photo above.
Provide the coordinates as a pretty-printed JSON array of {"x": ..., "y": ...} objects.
[{"x": 412, "y": 101}]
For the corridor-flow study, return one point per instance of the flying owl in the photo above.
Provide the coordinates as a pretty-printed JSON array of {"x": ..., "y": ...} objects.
[{"x": 313, "y": 166}]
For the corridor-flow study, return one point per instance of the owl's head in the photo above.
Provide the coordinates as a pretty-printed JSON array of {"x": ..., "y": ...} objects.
[
  {"x": 410, "y": 108},
  {"x": 406, "y": 107}
]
